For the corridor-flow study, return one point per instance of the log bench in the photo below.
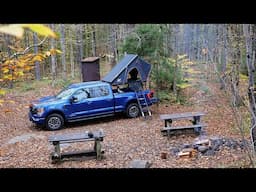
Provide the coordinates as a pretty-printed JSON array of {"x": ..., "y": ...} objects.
[{"x": 57, "y": 140}]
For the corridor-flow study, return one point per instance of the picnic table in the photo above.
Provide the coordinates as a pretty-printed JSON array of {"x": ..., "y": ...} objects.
[
  {"x": 194, "y": 117},
  {"x": 57, "y": 140}
]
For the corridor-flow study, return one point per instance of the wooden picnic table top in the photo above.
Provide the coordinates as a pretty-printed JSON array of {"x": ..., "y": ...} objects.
[
  {"x": 76, "y": 136},
  {"x": 180, "y": 115}
]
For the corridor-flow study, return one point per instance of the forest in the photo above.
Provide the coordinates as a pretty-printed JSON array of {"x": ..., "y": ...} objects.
[{"x": 195, "y": 67}]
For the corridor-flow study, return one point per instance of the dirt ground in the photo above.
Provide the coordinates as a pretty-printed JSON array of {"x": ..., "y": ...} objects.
[{"x": 24, "y": 145}]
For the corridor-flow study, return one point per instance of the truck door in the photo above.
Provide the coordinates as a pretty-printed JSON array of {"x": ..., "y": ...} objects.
[
  {"x": 79, "y": 107},
  {"x": 101, "y": 101}
]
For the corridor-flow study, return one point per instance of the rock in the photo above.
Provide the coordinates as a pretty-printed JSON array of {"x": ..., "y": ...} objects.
[
  {"x": 209, "y": 152},
  {"x": 228, "y": 143},
  {"x": 163, "y": 155},
  {"x": 215, "y": 147},
  {"x": 139, "y": 164},
  {"x": 187, "y": 145},
  {"x": 203, "y": 149},
  {"x": 195, "y": 146},
  {"x": 174, "y": 150}
]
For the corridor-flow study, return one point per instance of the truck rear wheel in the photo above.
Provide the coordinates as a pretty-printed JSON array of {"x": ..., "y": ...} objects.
[
  {"x": 132, "y": 110},
  {"x": 54, "y": 122}
]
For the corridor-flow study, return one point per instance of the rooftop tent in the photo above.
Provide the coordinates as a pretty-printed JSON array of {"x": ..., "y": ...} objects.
[{"x": 131, "y": 65}]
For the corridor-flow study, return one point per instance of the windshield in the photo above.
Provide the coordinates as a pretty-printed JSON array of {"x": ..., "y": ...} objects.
[{"x": 66, "y": 93}]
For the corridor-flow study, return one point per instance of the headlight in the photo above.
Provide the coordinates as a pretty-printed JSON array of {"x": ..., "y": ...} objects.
[{"x": 40, "y": 111}]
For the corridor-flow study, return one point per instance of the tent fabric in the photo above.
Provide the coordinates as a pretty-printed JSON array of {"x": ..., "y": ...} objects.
[{"x": 119, "y": 74}]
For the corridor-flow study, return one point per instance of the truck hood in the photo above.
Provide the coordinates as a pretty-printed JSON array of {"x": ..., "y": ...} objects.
[{"x": 47, "y": 101}]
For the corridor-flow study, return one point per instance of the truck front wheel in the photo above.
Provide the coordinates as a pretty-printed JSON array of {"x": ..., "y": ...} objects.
[
  {"x": 132, "y": 110},
  {"x": 54, "y": 122}
]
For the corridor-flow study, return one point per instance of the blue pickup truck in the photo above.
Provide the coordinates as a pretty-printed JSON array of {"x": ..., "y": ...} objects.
[{"x": 86, "y": 100}]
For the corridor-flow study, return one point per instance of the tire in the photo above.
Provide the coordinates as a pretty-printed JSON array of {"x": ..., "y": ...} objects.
[
  {"x": 132, "y": 110},
  {"x": 54, "y": 122}
]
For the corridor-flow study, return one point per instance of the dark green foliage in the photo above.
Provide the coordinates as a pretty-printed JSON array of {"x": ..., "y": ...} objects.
[
  {"x": 144, "y": 41},
  {"x": 164, "y": 75}
]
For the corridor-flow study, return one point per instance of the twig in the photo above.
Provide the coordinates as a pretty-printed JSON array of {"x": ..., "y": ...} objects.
[{"x": 28, "y": 48}]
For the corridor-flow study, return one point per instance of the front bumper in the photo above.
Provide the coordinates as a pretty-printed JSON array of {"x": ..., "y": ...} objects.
[{"x": 35, "y": 119}]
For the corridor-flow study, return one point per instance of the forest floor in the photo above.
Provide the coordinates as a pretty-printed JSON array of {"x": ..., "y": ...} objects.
[{"x": 24, "y": 145}]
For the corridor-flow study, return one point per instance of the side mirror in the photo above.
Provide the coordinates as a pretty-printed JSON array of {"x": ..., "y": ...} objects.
[{"x": 73, "y": 99}]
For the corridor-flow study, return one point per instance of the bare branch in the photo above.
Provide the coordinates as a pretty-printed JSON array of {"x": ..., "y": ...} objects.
[{"x": 28, "y": 48}]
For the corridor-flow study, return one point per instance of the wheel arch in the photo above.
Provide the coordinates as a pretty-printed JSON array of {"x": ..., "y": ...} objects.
[{"x": 58, "y": 112}]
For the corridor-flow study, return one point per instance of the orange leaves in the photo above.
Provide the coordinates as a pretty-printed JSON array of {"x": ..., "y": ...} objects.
[
  {"x": 7, "y": 110},
  {"x": 18, "y": 67}
]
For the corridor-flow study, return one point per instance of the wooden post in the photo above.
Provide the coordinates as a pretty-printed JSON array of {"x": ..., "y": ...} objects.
[{"x": 97, "y": 148}]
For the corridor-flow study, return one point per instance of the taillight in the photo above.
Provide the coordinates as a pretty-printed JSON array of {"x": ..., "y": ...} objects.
[{"x": 150, "y": 94}]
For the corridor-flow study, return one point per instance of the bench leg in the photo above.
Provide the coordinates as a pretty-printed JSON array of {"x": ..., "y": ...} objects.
[
  {"x": 168, "y": 123},
  {"x": 56, "y": 156},
  {"x": 196, "y": 120},
  {"x": 97, "y": 149},
  {"x": 198, "y": 130}
]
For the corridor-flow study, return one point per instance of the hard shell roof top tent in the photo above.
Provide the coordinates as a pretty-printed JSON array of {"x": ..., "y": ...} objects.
[{"x": 130, "y": 65}]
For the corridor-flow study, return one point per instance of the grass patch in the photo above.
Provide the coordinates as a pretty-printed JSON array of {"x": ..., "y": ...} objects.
[{"x": 166, "y": 96}]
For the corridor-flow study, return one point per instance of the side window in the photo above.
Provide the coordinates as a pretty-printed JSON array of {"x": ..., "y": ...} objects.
[
  {"x": 80, "y": 95},
  {"x": 99, "y": 91}
]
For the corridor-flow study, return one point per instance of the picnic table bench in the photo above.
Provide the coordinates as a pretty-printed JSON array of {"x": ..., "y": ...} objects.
[
  {"x": 194, "y": 117},
  {"x": 56, "y": 140}
]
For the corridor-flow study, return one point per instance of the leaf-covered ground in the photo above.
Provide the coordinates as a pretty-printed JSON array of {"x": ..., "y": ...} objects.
[{"x": 24, "y": 145}]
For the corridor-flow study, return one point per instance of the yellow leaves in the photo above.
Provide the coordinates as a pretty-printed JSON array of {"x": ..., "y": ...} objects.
[
  {"x": 17, "y": 30},
  {"x": 13, "y": 29},
  {"x": 180, "y": 57},
  {"x": 21, "y": 64},
  {"x": 5, "y": 70},
  {"x": 183, "y": 85},
  {"x": 243, "y": 77},
  {"x": 55, "y": 51},
  {"x": 11, "y": 101},
  {"x": 47, "y": 53},
  {"x": 40, "y": 30},
  {"x": 1, "y": 101},
  {"x": 8, "y": 77},
  {"x": 2, "y": 92},
  {"x": 192, "y": 71},
  {"x": 38, "y": 58},
  {"x": 18, "y": 73},
  {"x": 28, "y": 68}
]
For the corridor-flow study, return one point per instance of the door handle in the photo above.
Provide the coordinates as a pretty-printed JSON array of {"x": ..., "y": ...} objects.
[{"x": 88, "y": 102}]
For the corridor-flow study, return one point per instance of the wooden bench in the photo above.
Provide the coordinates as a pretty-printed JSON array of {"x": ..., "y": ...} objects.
[
  {"x": 56, "y": 140},
  {"x": 194, "y": 117}
]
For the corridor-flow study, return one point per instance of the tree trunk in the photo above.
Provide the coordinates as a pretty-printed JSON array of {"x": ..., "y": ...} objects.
[
  {"x": 224, "y": 61},
  {"x": 113, "y": 44},
  {"x": 53, "y": 58},
  {"x": 174, "y": 76},
  {"x": 248, "y": 41},
  {"x": 72, "y": 66},
  {"x": 63, "y": 49},
  {"x": 37, "y": 65},
  {"x": 93, "y": 40}
]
